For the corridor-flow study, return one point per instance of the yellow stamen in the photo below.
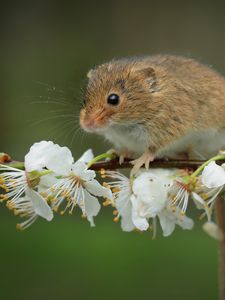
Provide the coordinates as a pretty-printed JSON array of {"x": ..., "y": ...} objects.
[
  {"x": 106, "y": 202},
  {"x": 3, "y": 198},
  {"x": 173, "y": 208},
  {"x": 4, "y": 187},
  {"x": 116, "y": 190},
  {"x": 19, "y": 227},
  {"x": 204, "y": 196},
  {"x": 102, "y": 171},
  {"x": 65, "y": 194},
  {"x": 56, "y": 208},
  {"x": 105, "y": 184},
  {"x": 44, "y": 194}
]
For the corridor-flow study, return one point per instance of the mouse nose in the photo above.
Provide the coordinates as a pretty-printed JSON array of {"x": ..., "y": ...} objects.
[
  {"x": 88, "y": 123},
  {"x": 84, "y": 121},
  {"x": 91, "y": 122}
]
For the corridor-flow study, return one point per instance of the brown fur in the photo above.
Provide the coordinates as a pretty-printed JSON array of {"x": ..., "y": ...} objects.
[{"x": 169, "y": 96}]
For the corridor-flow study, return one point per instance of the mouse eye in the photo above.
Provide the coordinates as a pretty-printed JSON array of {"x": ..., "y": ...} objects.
[{"x": 113, "y": 99}]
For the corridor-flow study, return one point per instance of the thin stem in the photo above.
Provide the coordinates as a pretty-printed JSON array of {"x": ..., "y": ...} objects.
[
  {"x": 45, "y": 172},
  {"x": 220, "y": 214},
  {"x": 99, "y": 157},
  {"x": 200, "y": 169},
  {"x": 14, "y": 164}
]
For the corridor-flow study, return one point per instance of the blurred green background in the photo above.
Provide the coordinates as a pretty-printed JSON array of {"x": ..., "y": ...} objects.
[{"x": 46, "y": 50}]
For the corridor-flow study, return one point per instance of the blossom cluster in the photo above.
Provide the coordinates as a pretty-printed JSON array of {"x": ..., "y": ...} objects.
[{"x": 52, "y": 181}]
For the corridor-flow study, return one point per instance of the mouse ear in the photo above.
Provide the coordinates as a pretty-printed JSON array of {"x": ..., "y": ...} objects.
[
  {"x": 90, "y": 73},
  {"x": 147, "y": 74}
]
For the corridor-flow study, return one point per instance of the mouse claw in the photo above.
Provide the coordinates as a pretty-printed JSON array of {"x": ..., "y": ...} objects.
[
  {"x": 144, "y": 159},
  {"x": 121, "y": 159},
  {"x": 122, "y": 154}
]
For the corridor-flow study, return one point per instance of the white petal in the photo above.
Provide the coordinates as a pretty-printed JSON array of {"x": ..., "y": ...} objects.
[
  {"x": 95, "y": 188},
  {"x": 80, "y": 170},
  {"x": 164, "y": 174},
  {"x": 138, "y": 214},
  {"x": 40, "y": 206},
  {"x": 79, "y": 167},
  {"x": 213, "y": 175},
  {"x": 59, "y": 160},
  {"x": 199, "y": 202},
  {"x": 87, "y": 156},
  {"x": 185, "y": 223},
  {"x": 92, "y": 207},
  {"x": 122, "y": 201},
  {"x": 213, "y": 230},
  {"x": 35, "y": 158},
  {"x": 126, "y": 219},
  {"x": 151, "y": 190},
  {"x": 140, "y": 223},
  {"x": 167, "y": 224},
  {"x": 46, "y": 182},
  {"x": 168, "y": 220},
  {"x": 49, "y": 155}
]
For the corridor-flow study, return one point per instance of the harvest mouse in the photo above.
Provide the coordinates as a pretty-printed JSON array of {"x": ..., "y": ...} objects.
[{"x": 156, "y": 106}]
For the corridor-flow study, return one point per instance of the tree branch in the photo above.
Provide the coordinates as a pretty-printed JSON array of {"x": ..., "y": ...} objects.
[
  {"x": 114, "y": 164},
  {"x": 157, "y": 163}
]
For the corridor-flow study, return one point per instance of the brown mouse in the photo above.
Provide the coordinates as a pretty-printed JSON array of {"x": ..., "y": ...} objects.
[{"x": 156, "y": 106}]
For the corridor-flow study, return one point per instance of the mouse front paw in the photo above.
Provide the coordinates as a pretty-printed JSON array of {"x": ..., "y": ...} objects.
[
  {"x": 144, "y": 159},
  {"x": 122, "y": 154}
]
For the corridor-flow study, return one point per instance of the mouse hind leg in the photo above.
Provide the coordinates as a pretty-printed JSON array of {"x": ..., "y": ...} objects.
[{"x": 144, "y": 159}]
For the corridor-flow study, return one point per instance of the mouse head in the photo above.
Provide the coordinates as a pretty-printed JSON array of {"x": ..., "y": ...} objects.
[{"x": 116, "y": 94}]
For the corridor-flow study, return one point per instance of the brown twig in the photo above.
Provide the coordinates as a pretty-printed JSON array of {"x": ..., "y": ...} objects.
[
  {"x": 158, "y": 163},
  {"x": 114, "y": 164}
]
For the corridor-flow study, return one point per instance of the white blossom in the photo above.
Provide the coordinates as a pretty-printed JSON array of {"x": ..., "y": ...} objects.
[
  {"x": 16, "y": 184},
  {"x": 13, "y": 181},
  {"x": 145, "y": 198},
  {"x": 179, "y": 195},
  {"x": 46, "y": 154},
  {"x": 168, "y": 219},
  {"x": 53, "y": 180},
  {"x": 208, "y": 187},
  {"x": 43, "y": 155},
  {"x": 149, "y": 197},
  {"x": 20, "y": 185},
  {"x": 213, "y": 175},
  {"x": 122, "y": 191},
  {"x": 78, "y": 186},
  {"x": 31, "y": 206}
]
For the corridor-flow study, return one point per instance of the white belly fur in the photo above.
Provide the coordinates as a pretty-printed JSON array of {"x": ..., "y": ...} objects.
[
  {"x": 132, "y": 138},
  {"x": 199, "y": 144}
]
